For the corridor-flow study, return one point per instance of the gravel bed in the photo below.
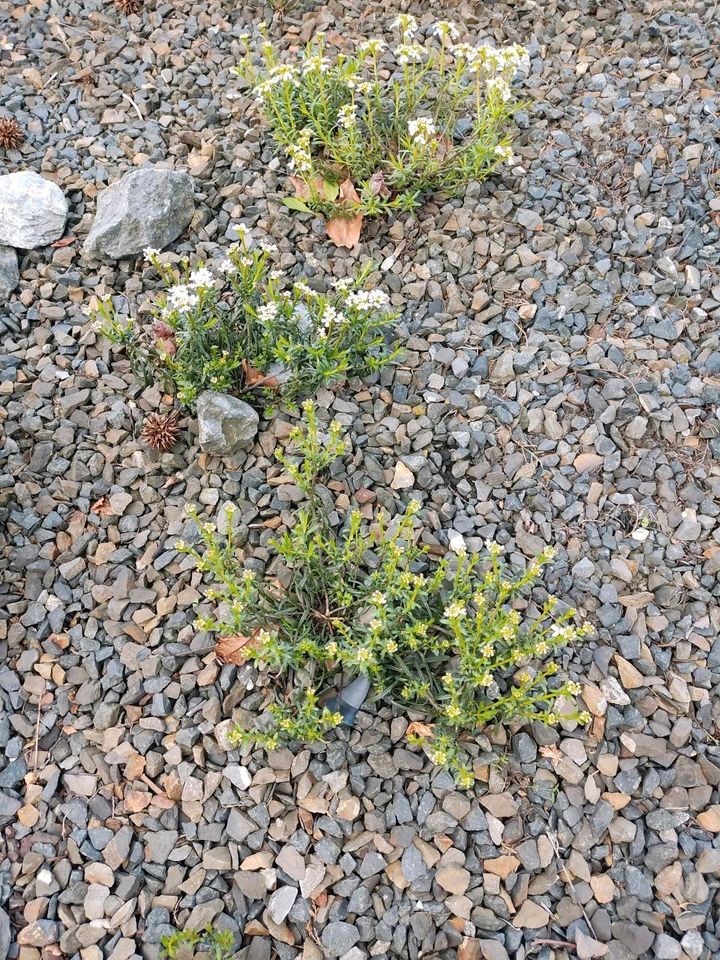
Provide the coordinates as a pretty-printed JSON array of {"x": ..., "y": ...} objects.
[{"x": 560, "y": 385}]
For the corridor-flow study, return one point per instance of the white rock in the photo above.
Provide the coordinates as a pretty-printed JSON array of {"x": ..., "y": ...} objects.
[
  {"x": 33, "y": 210},
  {"x": 226, "y": 424}
]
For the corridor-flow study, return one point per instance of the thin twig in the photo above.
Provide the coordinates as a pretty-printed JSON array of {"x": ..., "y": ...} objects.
[{"x": 36, "y": 749}]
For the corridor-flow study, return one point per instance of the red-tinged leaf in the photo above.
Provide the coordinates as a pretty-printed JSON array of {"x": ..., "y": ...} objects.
[
  {"x": 232, "y": 649},
  {"x": 102, "y": 507},
  {"x": 64, "y": 242}
]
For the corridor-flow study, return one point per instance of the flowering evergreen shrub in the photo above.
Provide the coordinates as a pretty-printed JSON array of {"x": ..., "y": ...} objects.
[
  {"x": 444, "y": 642},
  {"x": 374, "y": 130},
  {"x": 239, "y": 329}
]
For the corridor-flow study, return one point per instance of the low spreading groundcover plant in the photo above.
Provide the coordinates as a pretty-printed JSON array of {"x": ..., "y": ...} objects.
[
  {"x": 238, "y": 329},
  {"x": 375, "y": 130},
  {"x": 445, "y": 643}
]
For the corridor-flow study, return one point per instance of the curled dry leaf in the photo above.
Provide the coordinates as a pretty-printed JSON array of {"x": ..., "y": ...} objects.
[
  {"x": 419, "y": 729},
  {"x": 232, "y": 649},
  {"x": 256, "y": 378},
  {"x": 345, "y": 231},
  {"x": 377, "y": 185}
]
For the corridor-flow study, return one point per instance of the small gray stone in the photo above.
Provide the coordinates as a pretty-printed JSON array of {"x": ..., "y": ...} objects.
[
  {"x": 226, "y": 424},
  {"x": 149, "y": 207},
  {"x": 339, "y": 937},
  {"x": 666, "y": 948},
  {"x": 33, "y": 210},
  {"x": 281, "y": 902},
  {"x": 4, "y": 934},
  {"x": 9, "y": 272}
]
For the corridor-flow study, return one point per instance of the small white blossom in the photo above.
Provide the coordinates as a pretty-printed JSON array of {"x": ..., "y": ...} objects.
[
  {"x": 406, "y": 23},
  {"x": 455, "y": 611},
  {"x": 500, "y": 87},
  {"x": 443, "y": 28},
  {"x": 409, "y": 53},
  {"x": 227, "y": 266},
  {"x": 181, "y": 298},
  {"x": 150, "y": 253},
  {"x": 267, "y": 312},
  {"x": 201, "y": 279},
  {"x": 504, "y": 152},
  {"x": 367, "y": 300},
  {"x": 422, "y": 130},
  {"x": 373, "y": 47},
  {"x": 346, "y": 116}
]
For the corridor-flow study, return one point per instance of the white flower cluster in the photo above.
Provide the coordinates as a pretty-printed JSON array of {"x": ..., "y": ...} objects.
[
  {"x": 500, "y": 87},
  {"x": 346, "y": 116},
  {"x": 372, "y": 47},
  {"x": 316, "y": 64},
  {"x": 443, "y": 28},
  {"x": 267, "y": 312},
  {"x": 489, "y": 59},
  {"x": 405, "y": 23},
  {"x": 423, "y": 130},
  {"x": 329, "y": 316},
  {"x": 299, "y": 153},
  {"x": 408, "y": 53},
  {"x": 504, "y": 152},
  {"x": 181, "y": 298},
  {"x": 282, "y": 73},
  {"x": 368, "y": 300},
  {"x": 201, "y": 279}
]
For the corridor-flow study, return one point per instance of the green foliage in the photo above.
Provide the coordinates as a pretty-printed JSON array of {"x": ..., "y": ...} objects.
[
  {"x": 448, "y": 643},
  {"x": 239, "y": 330},
  {"x": 422, "y": 117},
  {"x": 183, "y": 944}
]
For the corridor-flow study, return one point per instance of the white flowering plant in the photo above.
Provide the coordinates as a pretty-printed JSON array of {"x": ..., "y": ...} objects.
[
  {"x": 446, "y": 642},
  {"x": 375, "y": 130},
  {"x": 237, "y": 327}
]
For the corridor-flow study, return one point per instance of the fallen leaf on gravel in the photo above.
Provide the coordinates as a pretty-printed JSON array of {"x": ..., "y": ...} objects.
[
  {"x": 102, "y": 507},
  {"x": 64, "y": 242},
  {"x": 345, "y": 231},
  {"x": 232, "y": 649},
  {"x": 419, "y": 729}
]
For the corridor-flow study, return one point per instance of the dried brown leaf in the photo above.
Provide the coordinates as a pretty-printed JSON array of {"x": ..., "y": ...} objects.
[
  {"x": 232, "y": 649},
  {"x": 256, "y": 378},
  {"x": 345, "y": 231},
  {"x": 419, "y": 729}
]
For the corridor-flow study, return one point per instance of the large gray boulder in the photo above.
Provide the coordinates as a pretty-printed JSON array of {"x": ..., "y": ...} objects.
[
  {"x": 226, "y": 424},
  {"x": 9, "y": 273},
  {"x": 33, "y": 210},
  {"x": 149, "y": 207}
]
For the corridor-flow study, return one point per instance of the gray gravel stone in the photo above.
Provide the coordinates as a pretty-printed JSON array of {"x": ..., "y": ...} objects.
[{"x": 149, "y": 207}]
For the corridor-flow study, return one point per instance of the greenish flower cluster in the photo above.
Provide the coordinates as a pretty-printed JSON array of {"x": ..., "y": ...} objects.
[
  {"x": 445, "y": 642},
  {"x": 397, "y": 122},
  {"x": 239, "y": 328}
]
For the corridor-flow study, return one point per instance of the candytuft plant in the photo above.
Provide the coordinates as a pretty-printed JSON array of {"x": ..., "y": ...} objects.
[
  {"x": 445, "y": 642},
  {"x": 374, "y": 130},
  {"x": 237, "y": 328}
]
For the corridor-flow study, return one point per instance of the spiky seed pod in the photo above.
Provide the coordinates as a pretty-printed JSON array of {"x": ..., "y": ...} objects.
[
  {"x": 128, "y": 6},
  {"x": 161, "y": 430},
  {"x": 11, "y": 133}
]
